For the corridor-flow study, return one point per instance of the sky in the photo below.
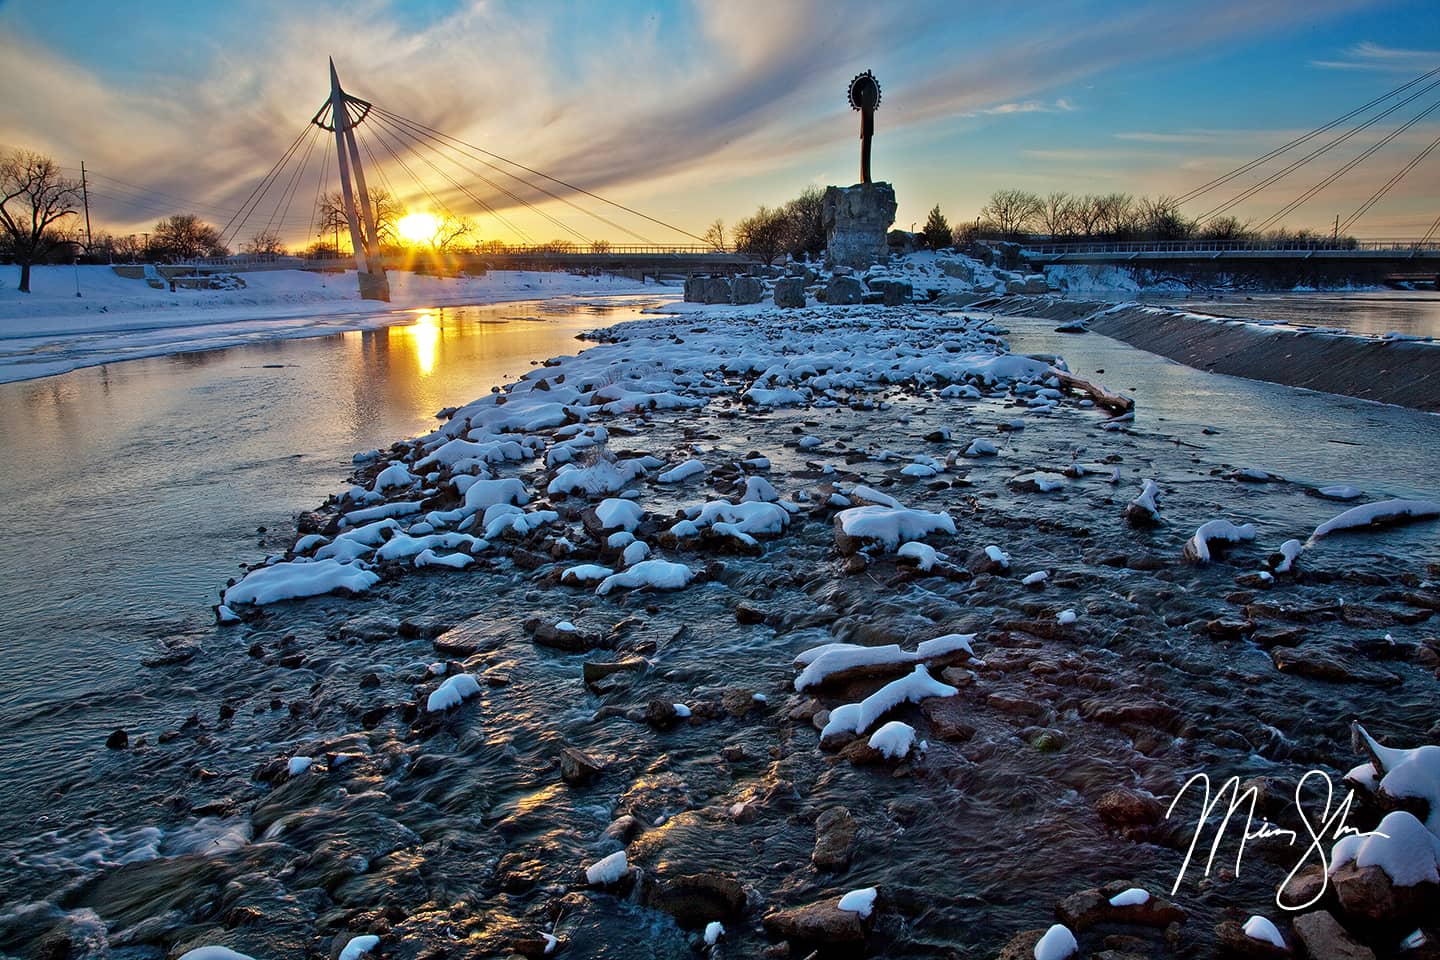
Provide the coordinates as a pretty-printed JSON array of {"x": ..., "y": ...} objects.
[{"x": 692, "y": 111}]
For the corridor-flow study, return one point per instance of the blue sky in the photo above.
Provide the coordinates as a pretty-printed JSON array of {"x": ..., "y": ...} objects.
[{"x": 697, "y": 111}]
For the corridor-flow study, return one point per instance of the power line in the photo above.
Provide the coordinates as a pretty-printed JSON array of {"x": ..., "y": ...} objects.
[
  {"x": 1243, "y": 168},
  {"x": 1379, "y": 194},
  {"x": 1312, "y": 155},
  {"x": 1345, "y": 168},
  {"x": 569, "y": 186}
]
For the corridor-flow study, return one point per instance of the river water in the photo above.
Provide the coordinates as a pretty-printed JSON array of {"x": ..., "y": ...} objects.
[
  {"x": 134, "y": 490},
  {"x": 1413, "y": 313},
  {"x": 138, "y": 488}
]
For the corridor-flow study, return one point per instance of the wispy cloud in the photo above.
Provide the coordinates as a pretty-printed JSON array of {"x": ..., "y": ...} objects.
[
  {"x": 1061, "y": 105},
  {"x": 1373, "y": 56}
]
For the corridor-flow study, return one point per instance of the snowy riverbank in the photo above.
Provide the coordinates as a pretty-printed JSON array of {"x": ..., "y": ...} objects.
[
  {"x": 755, "y": 626},
  {"x": 51, "y": 330}
]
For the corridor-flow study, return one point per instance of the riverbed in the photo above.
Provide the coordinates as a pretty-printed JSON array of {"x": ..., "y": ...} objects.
[{"x": 466, "y": 830}]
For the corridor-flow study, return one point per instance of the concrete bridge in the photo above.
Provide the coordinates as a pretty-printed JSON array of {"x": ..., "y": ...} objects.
[{"x": 1277, "y": 264}]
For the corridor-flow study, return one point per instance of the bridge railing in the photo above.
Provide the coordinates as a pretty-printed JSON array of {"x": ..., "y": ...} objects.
[{"x": 1227, "y": 246}]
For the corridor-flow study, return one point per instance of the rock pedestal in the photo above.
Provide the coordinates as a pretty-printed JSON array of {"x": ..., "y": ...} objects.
[{"x": 857, "y": 222}]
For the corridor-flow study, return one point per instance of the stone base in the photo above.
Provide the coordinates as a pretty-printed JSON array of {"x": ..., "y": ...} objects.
[
  {"x": 857, "y": 223},
  {"x": 374, "y": 286}
]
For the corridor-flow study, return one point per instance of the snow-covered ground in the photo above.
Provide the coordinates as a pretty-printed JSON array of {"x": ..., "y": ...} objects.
[{"x": 51, "y": 330}]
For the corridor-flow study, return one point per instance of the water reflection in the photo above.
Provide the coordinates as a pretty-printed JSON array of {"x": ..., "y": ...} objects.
[{"x": 134, "y": 490}]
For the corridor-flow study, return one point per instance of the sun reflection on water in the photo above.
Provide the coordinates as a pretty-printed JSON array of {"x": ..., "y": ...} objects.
[{"x": 424, "y": 333}]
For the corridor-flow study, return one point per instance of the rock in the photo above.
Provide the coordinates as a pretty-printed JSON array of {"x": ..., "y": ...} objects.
[
  {"x": 1324, "y": 939},
  {"x": 860, "y": 753},
  {"x": 546, "y": 634},
  {"x": 835, "y": 832},
  {"x": 660, "y": 714},
  {"x": 738, "y": 701},
  {"x": 576, "y": 768},
  {"x": 818, "y": 923},
  {"x": 1222, "y": 629},
  {"x": 696, "y": 899},
  {"x": 118, "y": 740},
  {"x": 1121, "y": 807},
  {"x": 695, "y": 288},
  {"x": 596, "y": 670},
  {"x": 1327, "y": 662},
  {"x": 1233, "y": 941},
  {"x": 1368, "y": 893},
  {"x": 1021, "y": 946},
  {"x": 1083, "y": 910},
  {"x": 717, "y": 290},
  {"x": 957, "y": 268},
  {"x": 790, "y": 292},
  {"x": 948, "y": 716},
  {"x": 1036, "y": 283},
  {"x": 746, "y": 290},
  {"x": 894, "y": 293},
  {"x": 745, "y": 613},
  {"x": 857, "y": 221},
  {"x": 844, "y": 290}
]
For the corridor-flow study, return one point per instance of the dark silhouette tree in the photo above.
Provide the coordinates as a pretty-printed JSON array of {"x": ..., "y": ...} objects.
[
  {"x": 34, "y": 200},
  {"x": 937, "y": 229},
  {"x": 185, "y": 237}
]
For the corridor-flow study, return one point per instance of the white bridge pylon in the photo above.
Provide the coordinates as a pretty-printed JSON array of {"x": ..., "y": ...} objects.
[{"x": 364, "y": 239}]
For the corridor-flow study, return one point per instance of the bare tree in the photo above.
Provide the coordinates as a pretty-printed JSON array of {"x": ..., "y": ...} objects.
[
  {"x": 1058, "y": 217},
  {"x": 715, "y": 235},
  {"x": 1117, "y": 214},
  {"x": 1162, "y": 220},
  {"x": 265, "y": 243},
  {"x": 383, "y": 206},
  {"x": 34, "y": 200},
  {"x": 599, "y": 246},
  {"x": 186, "y": 237},
  {"x": 449, "y": 231},
  {"x": 1086, "y": 213},
  {"x": 763, "y": 235},
  {"x": 1012, "y": 211}
]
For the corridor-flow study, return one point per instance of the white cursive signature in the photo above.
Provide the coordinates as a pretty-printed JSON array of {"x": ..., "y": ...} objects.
[{"x": 1329, "y": 826}]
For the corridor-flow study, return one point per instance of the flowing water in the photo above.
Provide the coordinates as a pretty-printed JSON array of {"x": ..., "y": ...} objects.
[
  {"x": 138, "y": 489},
  {"x": 1414, "y": 313}
]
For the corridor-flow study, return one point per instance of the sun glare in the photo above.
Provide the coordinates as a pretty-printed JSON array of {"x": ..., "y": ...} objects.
[{"x": 418, "y": 227}]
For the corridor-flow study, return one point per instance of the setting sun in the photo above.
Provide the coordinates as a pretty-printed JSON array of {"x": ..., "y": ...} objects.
[{"x": 418, "y": 227}]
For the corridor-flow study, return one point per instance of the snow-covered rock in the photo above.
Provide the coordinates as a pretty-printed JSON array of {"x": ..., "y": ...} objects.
[
  {"x": 294, "y": 580},
  {"x": 452, "y": 692},
  {"x": 1197, "y": 548}
]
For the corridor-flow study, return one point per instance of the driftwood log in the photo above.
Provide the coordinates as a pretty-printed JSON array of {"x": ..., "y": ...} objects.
[{"x": 1108, "y": 399}]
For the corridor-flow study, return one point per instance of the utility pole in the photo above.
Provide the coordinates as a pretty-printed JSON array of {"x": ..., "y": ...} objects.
[
  {"x": 1335, "y": 234},
  {"x": 85, "y": 194}
]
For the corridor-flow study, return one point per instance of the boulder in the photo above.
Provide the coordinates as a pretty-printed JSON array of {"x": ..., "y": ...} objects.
[
  {"x": 717, "y": 290},
  {"x": 857, "y": 220},
  {"x": 1083, "y": 910},
  {"x": 1324, "y": 939},
  {"x": 695, "y": 288},
  {"x": 957, "y": 268},
  {"x": 1036, "y": 283},
  {"x": 576, "y": 768},
  {"x": 790, "y": 292},
  {"x": 835, "y": 832},
  {"x": 844, "y": 290},
  {"x": 818, "y": 923},
  {"x": 1369, "y": 893},
  {"x": 696, "y": 899},
  {"x": 745, "y": 290},
  {"x": 1232, "y": 941}
]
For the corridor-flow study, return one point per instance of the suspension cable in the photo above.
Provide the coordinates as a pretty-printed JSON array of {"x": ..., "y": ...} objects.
[{"x": 1378, "y": 195}]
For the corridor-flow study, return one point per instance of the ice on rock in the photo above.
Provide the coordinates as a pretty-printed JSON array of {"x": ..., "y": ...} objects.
[
  {"x": 1146, "y": 504},
  {"x": 214, "y": 953},
  {"x": 450, "y": 693},
  {"x": 891, "y": 525},
  {"x": 224, "y": 614},
  {"x": 598, "y": 479},
  {"x": 1407, "y": 774},
  {"x": 585, "y": 574},
  {"x": 395, "y": 475},
  {"x": 809, "y": 442},
  {"x": 359, "y": 946},
  {"x": 714, "y": 930},
  {"x": 400, "y": 508},
  {"x": 681, "y": 710},
  {"x": 1134, "y": 896},
  {"x": 753, "y": 518},
  {"x": 1198, "y": 546},
  {"x": 686, "y": 470},
  {"x": 998, "y": 556},
  {"x": 826, "y": 660},
  {"x": 1290, "y": 551},
  {"x": 918, "y": 471},
  {"x": 980, "y": 447},
  {"x": 486, "y": 493},
  {"x": 452, "y": 561},
  {"x": 1400, "y": 846},
  {"x": 617, "y": 514},
  {"x": 298, "y": 765},
  {"x": 923, "y": 554},
  {"x": 1057, "y": 944},
  {"x": 858, "y": 717},
  {"x": 608, "y": 870},
  {"x": 1259, "y": 928},
  {"x": 1033, "y": 579},
  {"x": 294, "y": 580},
  {"x": 402, "y": 546},
  {"x": 893, "y": 739},
  {"x": 1377, "y": 514},
  {"x": 759, "y": 490},
  {"x": 634, "y": 553},
  {"x": 655, "y": 574},
  {"x": 1066, "y": 617},
  {"x": 860, "y": 901}
]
